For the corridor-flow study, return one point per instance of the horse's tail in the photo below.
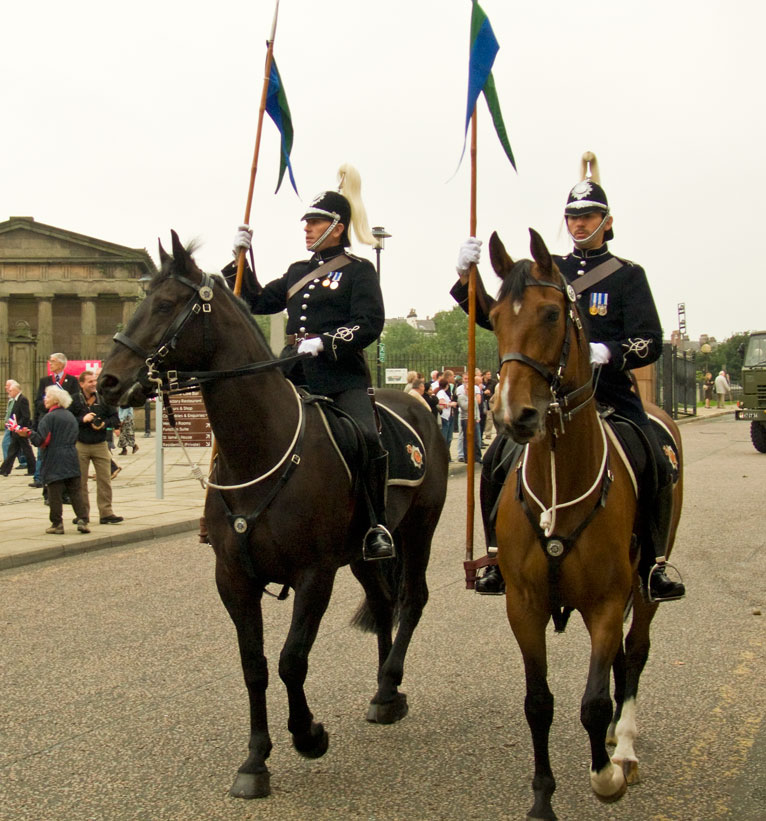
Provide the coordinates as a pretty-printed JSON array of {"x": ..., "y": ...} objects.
[{"x": 390, "y": 577}]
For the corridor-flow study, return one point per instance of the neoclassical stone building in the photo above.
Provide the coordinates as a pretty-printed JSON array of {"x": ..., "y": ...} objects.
[{"x": 61, "y": 291}]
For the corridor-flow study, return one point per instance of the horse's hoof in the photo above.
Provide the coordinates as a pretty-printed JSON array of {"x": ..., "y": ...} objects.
[
  {"x": 630, "y": 769},
  {"x": 390, "y": 712},
  {"x": 251, "y": 785},
  {"x": 609, "y": 785},
  {"x": 314, "y": 743}
]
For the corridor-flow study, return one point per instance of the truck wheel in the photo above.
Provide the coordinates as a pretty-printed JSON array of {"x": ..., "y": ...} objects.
[{"x": 758, "y": 436}]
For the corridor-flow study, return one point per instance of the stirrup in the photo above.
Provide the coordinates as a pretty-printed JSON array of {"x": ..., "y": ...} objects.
[
  {"x": 660, "y": 565},
  {"x": 371, "y": 556}
]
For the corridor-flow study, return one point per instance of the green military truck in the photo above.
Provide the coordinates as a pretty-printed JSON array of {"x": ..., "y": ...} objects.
[{"x": 752, "y": 407}]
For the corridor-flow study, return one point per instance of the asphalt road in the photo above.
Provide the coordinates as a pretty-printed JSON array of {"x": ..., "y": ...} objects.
[{"x": 122, "y": 696}]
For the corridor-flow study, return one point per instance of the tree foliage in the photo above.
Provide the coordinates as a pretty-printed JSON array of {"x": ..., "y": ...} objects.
[{"x": 725, "y": 355}]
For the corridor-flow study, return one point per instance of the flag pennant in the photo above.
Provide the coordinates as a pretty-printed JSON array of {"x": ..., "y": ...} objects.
[
  {"x": 279, "y": 111},
  {"x": 484, "y": 48}
]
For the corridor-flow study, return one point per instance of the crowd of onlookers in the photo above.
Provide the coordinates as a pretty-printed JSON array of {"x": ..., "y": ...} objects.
[
  {"x": 72, "y": 429},
  {"x": 449, "y": 399}
]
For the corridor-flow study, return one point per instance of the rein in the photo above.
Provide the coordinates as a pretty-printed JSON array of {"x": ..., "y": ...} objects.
[
  {"x": 171, "y": 382},
  {"x": 560, "y": 399}
]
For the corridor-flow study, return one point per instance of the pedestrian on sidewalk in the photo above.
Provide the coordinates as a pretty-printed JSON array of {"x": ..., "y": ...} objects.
[
  {"x": 96, "y": 421},
  {"x": 19, "y": 417},
  {"x": 722, "y": 388},
  {"x": 127, "y": 438},
  {"x": 708, "y": 386},
  {"x": 56, "y": 436}
]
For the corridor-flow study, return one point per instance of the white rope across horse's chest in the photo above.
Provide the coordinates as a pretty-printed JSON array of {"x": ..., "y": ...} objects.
[{"x": 548, "y": 514}]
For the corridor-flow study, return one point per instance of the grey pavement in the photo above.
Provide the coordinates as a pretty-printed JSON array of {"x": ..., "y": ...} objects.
[{"x": 24, "y": 516}]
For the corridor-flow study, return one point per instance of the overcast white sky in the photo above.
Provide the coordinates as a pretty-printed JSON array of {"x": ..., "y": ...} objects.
[{"x": 122, "y": 121}]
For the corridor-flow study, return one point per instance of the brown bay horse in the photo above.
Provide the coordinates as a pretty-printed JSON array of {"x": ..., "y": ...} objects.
[
  {"x": 281, "y": 506},
  {"x": 566, "y": 519}
]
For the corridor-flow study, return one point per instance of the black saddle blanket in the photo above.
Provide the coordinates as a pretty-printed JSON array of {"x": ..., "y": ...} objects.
[{"x": 406, "y": 451}]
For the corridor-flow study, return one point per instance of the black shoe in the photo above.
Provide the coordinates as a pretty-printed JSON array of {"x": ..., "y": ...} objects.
[
  {"x": 76, "y": 521},
  {"x": 111, "y": 520},
  {"x": 35, "y": 484},
  {"x": 661, "y": 588},
  {"x": 491, "y": 583},
  {"x": 378, "y": 544}
]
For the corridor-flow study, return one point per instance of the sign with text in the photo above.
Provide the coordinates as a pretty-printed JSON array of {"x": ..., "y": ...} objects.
[
  {"x": 191, "y": 422},
  {"x": 74, "y": 367},
  {"x": 396, "y": 376}
]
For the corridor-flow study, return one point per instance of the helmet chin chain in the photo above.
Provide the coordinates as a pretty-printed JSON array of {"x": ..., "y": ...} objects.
[
  {"x": 580, "y": 243},
  {"x": 315, "y": 245}
]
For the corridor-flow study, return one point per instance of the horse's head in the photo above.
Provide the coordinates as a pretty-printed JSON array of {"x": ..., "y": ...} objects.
[
  {"x": 175, "y": 310},
  {"x": 542, "y": 348}
]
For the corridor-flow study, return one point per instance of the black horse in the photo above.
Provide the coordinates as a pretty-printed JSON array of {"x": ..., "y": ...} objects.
[{"x": 281, "y": 505}]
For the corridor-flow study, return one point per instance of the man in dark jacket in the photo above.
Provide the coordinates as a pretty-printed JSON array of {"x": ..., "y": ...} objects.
[
  {"x": 624, "y": 331},
  {"x": 57, "y": 363},
  {"x": 96, "y": 420},
  {"x": 334, "y": 311},
  {"x": 20, "y": 413}
]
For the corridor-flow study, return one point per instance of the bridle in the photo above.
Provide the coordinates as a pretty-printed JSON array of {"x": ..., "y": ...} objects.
[
  {"x": 561, "y": 400},
  {"x": 165, "y": 381},
  {"x": 199, "y": 302}
]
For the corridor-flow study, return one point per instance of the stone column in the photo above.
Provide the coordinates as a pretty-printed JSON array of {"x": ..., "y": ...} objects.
[
  {"x": 4, "y": 350},
  {"x": 129, "y": 304},
  {"x": 44, "y": 326},
  {"x": 88, "y": 323}
]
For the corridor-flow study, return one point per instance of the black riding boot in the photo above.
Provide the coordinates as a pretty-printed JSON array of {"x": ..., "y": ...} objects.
[
  {"x": 656, "y": 586},
  {"x": 378, "y": 543}
]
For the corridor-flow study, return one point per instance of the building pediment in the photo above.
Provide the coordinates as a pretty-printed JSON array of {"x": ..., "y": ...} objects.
[{"x": 24, "y": 241}]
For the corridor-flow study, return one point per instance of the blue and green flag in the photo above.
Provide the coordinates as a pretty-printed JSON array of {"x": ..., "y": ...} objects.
[
  {"x": 279, "y": 111},
  {"x": 484, "y": 48}
]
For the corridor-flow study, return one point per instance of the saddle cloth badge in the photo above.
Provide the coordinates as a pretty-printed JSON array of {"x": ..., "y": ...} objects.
[{"x": 598, "y": 304}]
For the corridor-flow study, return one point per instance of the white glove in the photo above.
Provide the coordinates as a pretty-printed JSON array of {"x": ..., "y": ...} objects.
[
  {"x": 312, "y": 346},
  {"x": 599, "y": 353},
  {"x": 242, "y": 239},
  {"x": 470, "y": 251}
]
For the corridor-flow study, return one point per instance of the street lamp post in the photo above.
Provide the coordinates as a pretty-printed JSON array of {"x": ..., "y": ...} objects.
[{"x": 380, "y": 234}]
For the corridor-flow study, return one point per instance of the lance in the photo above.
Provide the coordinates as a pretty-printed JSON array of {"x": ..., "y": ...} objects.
[
  {"x": 256, "y": 150},
  {"x": 468, "y": 380},
  {"x": 251, "y": 187}
]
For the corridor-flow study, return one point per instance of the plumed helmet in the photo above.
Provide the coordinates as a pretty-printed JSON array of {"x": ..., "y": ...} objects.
[
  {"x": 588, "y": 196},
  {"x": 343, "y": 206}
]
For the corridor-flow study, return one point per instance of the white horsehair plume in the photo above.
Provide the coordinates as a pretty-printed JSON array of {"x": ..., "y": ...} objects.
[
  {"x": 589, "y": 167},
  {"x": 350, "y": 185}
]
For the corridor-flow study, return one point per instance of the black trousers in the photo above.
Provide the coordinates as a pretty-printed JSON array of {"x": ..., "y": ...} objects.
[
  {"x": 56, "y": 496},
  {"x": 19, "y": 443}
]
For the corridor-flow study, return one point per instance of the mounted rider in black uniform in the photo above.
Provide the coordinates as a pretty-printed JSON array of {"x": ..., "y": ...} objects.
[
  {"x": 625, "y": 333},
  {"x": 333, "y": 316}
]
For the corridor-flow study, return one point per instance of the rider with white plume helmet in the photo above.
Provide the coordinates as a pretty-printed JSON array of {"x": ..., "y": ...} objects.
[
  {"x": 334, "y": 311},
  {"x": 624, "y": 328}
]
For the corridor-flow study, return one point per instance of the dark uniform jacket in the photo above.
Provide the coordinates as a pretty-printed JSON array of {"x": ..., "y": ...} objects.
[
  {"x": 56, "y": 436},
  {"x": 343, "y": 307},
  {"x": 108, "y": 414},
  {"x": 618, "y": 311},
  {"x": 69, "y": 383}
]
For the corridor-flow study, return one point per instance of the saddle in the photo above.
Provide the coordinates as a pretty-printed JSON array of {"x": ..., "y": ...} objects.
[{"x": 406, "y": 451}]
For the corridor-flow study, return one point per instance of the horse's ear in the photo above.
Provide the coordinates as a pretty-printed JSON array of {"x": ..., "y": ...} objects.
[
  {"x": 179, "y": 252},
  {"x": 540, "y": 253},
  {"x": 498, "y": 256},
  {"x": 164, "y": 255}
]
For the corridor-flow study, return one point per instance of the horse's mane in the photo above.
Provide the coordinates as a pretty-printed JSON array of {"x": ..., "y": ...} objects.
[{"x": 219, "y": 283}]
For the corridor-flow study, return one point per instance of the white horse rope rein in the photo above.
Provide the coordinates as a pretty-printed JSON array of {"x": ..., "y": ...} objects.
[
  {"x": 548, "y": 515},
  {"x": 206, "y": 483}
]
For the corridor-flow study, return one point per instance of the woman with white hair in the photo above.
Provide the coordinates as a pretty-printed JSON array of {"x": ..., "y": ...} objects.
[{"x": 56, "y": 435}]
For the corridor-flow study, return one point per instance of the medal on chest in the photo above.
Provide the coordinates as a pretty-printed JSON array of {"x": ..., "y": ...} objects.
[
  {"x": 332, "y": 279},
  {"x": 598, "y": 304}
]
